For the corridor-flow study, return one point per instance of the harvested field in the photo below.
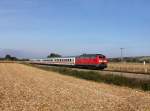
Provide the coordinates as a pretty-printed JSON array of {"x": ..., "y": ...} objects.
[
  {"x": 31, "y": 89},
  {"x": 129, "y": 67}
]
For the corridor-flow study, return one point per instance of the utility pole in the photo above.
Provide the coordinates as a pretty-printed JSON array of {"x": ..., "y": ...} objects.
[{"x": 122, "y": 53}]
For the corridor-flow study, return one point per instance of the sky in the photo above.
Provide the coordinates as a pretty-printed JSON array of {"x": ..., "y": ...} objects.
[{"x": 73, "y": 27}]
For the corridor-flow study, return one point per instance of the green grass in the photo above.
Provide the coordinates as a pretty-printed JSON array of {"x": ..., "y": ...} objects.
[{"x": 97, "y": 77}]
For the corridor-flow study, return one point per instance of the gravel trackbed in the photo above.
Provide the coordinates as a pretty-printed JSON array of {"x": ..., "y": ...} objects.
[{"x": 25, "y": 88}]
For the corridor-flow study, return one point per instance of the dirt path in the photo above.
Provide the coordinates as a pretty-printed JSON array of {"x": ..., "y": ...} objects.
[{"x": 24, "y": 88}]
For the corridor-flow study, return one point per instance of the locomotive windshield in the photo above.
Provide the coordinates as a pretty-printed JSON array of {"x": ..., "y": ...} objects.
[{"x": 102, "y": 56}]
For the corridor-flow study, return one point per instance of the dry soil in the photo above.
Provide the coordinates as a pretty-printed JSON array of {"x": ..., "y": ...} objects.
[{"x": 24, "y": 88}]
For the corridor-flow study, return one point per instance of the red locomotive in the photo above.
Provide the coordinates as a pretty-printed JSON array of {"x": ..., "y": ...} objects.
[
  {"x": 86, "y": 60},
  {"x": 92, "y": 60}
]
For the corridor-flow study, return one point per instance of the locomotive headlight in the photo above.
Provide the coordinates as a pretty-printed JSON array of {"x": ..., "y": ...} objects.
[
  {"x": 100, "y": 61},
  {"x": 105, "y": 60}
]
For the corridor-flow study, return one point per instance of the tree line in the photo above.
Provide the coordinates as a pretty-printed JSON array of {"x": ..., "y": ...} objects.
[
  {"x": 12, "y": 58},
  {"x": 9, "y": 57},
  {"x": 131, "y": 59}
]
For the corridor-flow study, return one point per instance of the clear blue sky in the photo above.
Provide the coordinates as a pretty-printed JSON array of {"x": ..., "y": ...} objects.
[{"x": 72, "y": 27}]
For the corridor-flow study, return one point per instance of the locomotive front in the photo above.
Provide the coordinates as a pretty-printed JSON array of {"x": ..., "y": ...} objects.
[{"x": 102, "y": 61}]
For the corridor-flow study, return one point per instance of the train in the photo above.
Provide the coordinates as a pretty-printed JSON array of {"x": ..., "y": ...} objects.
[{"x": 98, "y": 61}]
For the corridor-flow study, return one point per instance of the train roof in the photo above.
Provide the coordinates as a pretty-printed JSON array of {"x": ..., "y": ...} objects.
[
  {"x": 91, "y": 55},
  {"x": 71, "y": 57}
]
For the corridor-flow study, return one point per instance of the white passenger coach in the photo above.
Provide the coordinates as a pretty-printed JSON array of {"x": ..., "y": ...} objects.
[{"x": 55, "y": 61}]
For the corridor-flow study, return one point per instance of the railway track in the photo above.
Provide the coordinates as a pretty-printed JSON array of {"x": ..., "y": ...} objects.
[
  {"x": 127, "y": 74},
  {"x": 124, "y": 74}
]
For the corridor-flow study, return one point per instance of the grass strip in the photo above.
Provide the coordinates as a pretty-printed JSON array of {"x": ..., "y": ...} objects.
[{"x": 97, "y": 77}]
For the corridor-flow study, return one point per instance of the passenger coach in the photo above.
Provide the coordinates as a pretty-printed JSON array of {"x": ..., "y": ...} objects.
[{"x": 55, "y": 61}]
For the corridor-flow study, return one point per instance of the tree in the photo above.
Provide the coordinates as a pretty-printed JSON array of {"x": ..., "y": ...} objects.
[
  {"x": 8, "y": 57},
  {"x": 53, "y": 55}
]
